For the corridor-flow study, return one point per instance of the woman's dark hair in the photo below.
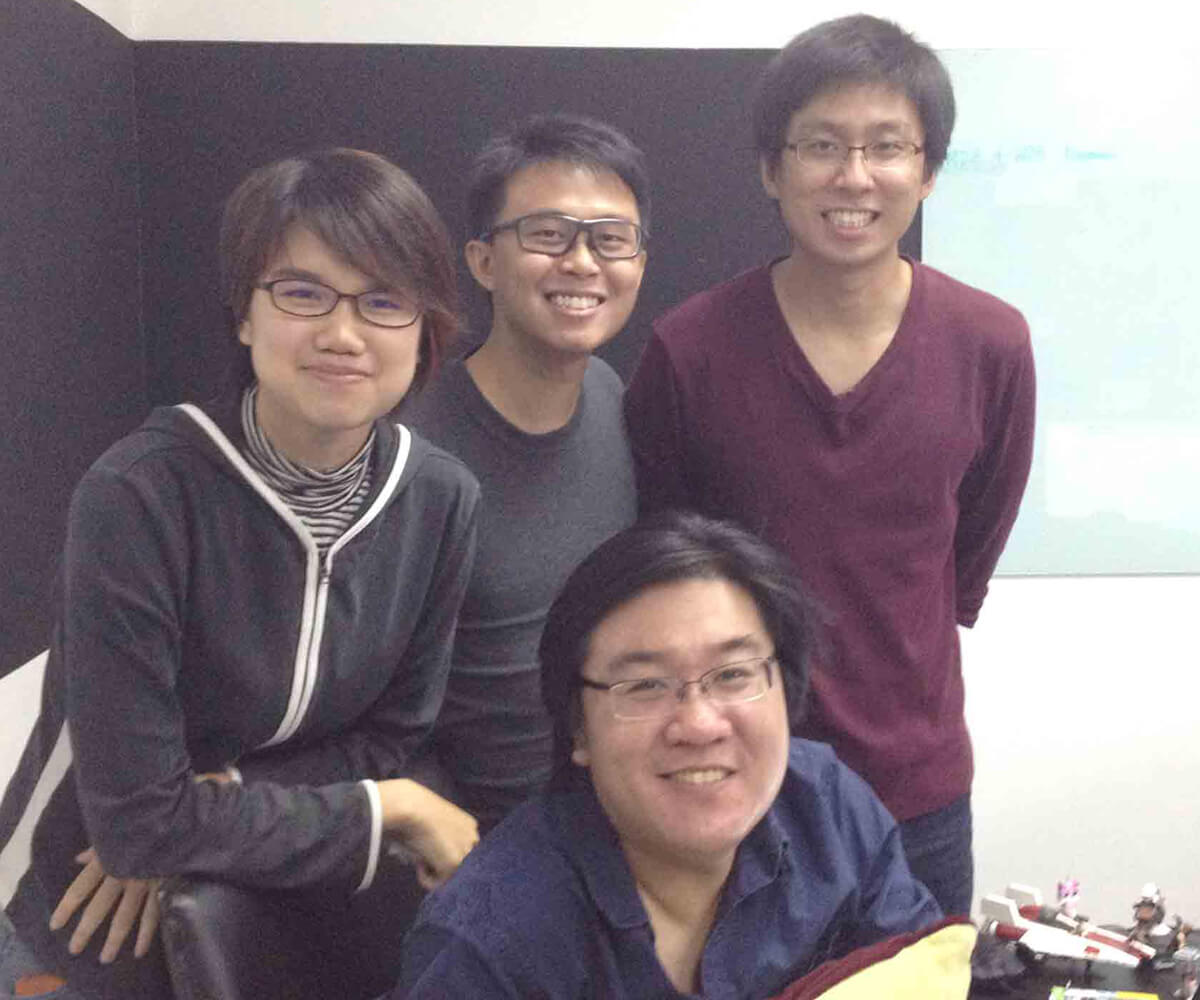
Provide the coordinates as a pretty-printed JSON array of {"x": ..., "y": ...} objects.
[
  {"x": 854, "y": 50},
  {"x": 367, "y": 211},
  {"x": 666, "y": 548},
  {"x": 547, "y": 139}
]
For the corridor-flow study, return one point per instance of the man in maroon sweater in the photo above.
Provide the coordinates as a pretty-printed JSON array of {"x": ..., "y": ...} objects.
[{"x": 867, "y": 414}]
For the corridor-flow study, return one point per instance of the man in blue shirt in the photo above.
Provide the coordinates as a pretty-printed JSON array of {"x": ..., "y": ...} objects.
[{"x": 688, "y": 844}]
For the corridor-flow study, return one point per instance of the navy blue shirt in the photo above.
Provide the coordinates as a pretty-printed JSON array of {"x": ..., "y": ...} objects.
[{"x": 546, "y": 906}]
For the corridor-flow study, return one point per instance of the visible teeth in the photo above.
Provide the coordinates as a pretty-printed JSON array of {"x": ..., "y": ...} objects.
[
  {"x": 849, "y": 219},
  {"x": 576, "y": 301},
  {"x": 699, "y": 777}
]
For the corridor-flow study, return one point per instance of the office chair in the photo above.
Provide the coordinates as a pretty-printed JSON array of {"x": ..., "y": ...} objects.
[{"x": 227, "y": 942}]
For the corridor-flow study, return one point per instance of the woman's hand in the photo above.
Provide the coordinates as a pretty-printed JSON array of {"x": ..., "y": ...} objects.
[
  {"x": 437, "y": 831},
  {"x": 102, "y": 892}
]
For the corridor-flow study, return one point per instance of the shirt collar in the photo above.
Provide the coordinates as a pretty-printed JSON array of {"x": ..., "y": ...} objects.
[{"x": 761, "y": 858}]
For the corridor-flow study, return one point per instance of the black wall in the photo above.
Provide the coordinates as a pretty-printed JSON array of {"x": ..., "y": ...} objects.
[
  {"x": 208, "y": 113},
  {"x": 72, "y": 368},
  {"x": 100, "y": 158}
]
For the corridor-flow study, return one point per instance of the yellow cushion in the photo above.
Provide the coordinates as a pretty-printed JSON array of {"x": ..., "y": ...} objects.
[{"x": 934, "y": 965}]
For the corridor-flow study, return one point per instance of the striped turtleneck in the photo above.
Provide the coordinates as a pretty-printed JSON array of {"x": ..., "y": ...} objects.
[{"x": 327, "y": 502}]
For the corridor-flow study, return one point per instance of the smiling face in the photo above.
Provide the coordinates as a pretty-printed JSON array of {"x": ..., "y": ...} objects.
[
  {"x": 323, "y": 380},
  {"x": 854, "y": 213},
  {"x": 687, "y": 787},
  {"x": 564, "y": 306}
]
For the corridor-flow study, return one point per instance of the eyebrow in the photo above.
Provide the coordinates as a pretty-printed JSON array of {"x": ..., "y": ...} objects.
[
  {"x": 582, "y": 218},
  {"x": 286, "y": 271},
  {"x": 749, "y": 644},
  {"x": 890, "y": 124}
]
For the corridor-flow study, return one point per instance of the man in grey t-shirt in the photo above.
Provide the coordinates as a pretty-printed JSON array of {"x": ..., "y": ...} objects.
[{"x": 557, "y": 208}]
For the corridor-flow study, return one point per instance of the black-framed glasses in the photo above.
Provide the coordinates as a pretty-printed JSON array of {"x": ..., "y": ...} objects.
[
  {"x": 299, "y": 297},
  {"x": 884, "y": 153},
  {"x": 655, "y": 697},
  {"x": 553, "y": 234}
]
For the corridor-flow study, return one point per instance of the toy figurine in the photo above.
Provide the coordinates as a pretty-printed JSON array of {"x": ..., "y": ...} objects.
[
  {"x": 1187, "y": 960},
  {"x": 1068, "y": 897},
  {"x": 1151, "y": 925}
]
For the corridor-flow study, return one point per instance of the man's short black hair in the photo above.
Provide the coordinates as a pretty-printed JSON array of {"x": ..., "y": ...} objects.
[
  {"x": 669, "y": 547},
  {"x": 854, "y": 50},
  {"x": 547, "y": 139}
]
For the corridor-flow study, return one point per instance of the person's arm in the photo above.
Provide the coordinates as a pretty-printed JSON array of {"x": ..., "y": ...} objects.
[
  {"x": 991, "y": 491},
  {"x": 437, "y": 834},
  {"x": 655, "y": 422},
  {"x": 890, "y": 899}
]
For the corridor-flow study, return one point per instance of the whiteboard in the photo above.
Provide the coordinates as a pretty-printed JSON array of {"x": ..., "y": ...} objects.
[{"x": 1072, "y": 190}]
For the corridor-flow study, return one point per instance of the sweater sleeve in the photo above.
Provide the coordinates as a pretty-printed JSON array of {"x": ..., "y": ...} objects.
[
  {"x": 125, "y": 580},
  {"x": 653, "y": 415},
  {"x": 990, "y": 493}
]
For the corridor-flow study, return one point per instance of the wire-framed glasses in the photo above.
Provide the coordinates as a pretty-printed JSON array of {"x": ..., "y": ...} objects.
[
  {"x": 553, "y": 234},
  {"x": 654, "y": 697},
  {"x": 299, "y": 297},
  {"x": 823, "y": 152}
]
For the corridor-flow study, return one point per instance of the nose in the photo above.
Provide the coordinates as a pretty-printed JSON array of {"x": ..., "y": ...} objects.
[
  {"x": 579, "y": 256},
  {"x": 341, "y": 330},
  {"x": 697, "y": 718},
  {"x": 854, "y": 171}
]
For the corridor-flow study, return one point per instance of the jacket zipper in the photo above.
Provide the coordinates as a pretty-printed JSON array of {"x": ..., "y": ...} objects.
[
  {"x": 316, "y": 591},
  {"x": 308, "y": 658}
]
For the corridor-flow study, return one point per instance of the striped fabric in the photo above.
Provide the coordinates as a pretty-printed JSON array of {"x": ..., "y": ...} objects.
[{"x": 327, "y": 502}]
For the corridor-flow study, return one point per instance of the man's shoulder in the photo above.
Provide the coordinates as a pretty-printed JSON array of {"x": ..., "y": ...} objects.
[
  {"x": 712, "y": 309},
  {"x": 604, "y": 393},
  {"x": 516, "y": 912},
  {"x": 817, "y": 776},
  {"x": 520, "y": 881},
  {"x": 599, "y": 376},
  {"x": 430, "y": 467},
  {"x": 814, "y": 763},
  {"x": 440, "y": 398},
  {"x": 450, "y": 413},
  {"x": 968, "y": 310}
]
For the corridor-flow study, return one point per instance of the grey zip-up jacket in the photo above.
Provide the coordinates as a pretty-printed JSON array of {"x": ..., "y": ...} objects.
[{"x": 199, "y": 629}]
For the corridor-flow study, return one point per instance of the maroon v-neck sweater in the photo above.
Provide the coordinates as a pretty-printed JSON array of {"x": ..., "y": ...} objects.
[{"x": 894, "y": 499}]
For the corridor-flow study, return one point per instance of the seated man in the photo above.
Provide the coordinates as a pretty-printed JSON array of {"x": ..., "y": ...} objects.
[{"x": 687, "y": 843}]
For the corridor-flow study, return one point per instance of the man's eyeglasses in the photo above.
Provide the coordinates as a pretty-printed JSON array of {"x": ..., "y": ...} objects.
[
  {"x": 553, "y": 234},
  {"x": 655, "y": 697},
  {"x": 824, "y": 153},
  {"x": 298, "y": 297}
]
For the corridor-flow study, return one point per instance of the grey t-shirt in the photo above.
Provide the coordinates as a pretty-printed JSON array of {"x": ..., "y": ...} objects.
[{"x": 547, "y": 501}]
